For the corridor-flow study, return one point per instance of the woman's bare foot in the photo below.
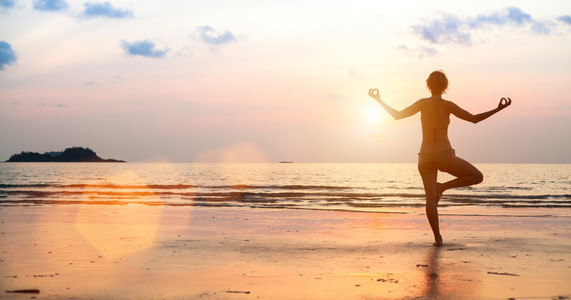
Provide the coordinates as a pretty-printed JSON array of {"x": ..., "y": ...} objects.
[
  {"x": 439, "y": 191},
  {"x": 438, "y": 241}
]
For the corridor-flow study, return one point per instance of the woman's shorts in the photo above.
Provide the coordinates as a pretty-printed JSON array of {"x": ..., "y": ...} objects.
[{"x": 430, "y": 160}]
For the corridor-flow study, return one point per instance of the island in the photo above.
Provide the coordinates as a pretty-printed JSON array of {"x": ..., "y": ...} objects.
[{"x": 73, "y": 154}]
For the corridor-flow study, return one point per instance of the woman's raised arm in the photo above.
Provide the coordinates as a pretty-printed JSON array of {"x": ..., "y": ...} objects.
[
  {"x": 407, "y": 112},
  {"x": 466, "y": 116}
]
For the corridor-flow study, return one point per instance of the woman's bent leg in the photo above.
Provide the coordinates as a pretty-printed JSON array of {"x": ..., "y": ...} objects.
[
  {"x": 429, "y": 175},
  {"x": 465, "y": 172}
]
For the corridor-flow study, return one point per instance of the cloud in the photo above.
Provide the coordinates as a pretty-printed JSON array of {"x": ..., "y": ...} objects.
[
  {"x": 143, "y": 48},
  {"x": 450, "y": 29},
  {"x": 117, "y": 79},
  {"x": 338, "y": 97},
  {"x": 510, "y": 15},
  {"x": 7, "y": 3},
  {"x": 419, "y": 52},
  {"x": 105, "y": 10},
  {"x": 565, "y": 19},
  {"x": 541, "y": 27},
  {"x": 88, "y": 83},
  {"x": 446, "y": 30},
  {"x": 210, "y": 36},
  {"x": 7, "y": 55},
  {"x": 354, "y": 74},
  {"x": 50, "y": 5},
  {"x": 58, "y": 105},
  {"x": 185, "y": 51}
]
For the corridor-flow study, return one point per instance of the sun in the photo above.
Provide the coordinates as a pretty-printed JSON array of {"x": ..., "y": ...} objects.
[{"x": 373, "y": 116}]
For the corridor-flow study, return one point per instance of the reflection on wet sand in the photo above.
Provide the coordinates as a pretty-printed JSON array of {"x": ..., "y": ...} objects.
[
  {"x": 432, "y": 275},
  {"x": 447, "y": 275}
]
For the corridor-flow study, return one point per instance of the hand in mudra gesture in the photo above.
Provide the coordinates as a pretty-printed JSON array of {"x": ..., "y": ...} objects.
[
  {"x": 374, "y": 93},
  {"x": 504, "y": 103}
]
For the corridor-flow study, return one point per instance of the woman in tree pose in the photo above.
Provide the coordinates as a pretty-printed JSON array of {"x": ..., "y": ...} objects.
[{"x": 436, "y": 153}]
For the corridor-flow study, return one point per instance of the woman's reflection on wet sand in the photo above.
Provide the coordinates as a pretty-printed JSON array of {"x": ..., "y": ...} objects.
[
  {"x": 432, "y": 275},
  {"x": 447, "y": 275}
]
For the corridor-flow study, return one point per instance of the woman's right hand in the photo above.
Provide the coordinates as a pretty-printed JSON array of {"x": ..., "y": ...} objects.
[
  {"x": 504, "y": 103},
  {"x": 374, "y": 93}
]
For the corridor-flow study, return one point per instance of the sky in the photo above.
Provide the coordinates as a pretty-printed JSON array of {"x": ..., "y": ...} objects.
[{"x": 269, "y": 81}]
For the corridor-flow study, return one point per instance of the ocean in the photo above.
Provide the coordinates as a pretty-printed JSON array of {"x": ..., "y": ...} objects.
[{"x": 375, "y": 187}]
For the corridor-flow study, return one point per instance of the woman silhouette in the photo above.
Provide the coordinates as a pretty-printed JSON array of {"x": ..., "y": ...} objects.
[{"x": 436, "y": 153}]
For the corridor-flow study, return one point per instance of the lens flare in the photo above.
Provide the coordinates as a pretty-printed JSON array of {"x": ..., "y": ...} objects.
[{"x": 123, "y": 225}]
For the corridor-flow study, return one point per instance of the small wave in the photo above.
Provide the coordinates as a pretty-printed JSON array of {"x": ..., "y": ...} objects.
[
  {"x": 315, "y": 196},
  {"x": 173, "y": 186},
  {"x": 507, "y": 196}
]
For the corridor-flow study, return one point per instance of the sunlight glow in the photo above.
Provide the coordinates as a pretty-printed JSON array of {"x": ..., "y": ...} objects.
[{"x": 373, "y": 117}]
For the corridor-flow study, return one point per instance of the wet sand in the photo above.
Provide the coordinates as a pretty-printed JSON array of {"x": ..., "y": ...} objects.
[{"x": 158, "y": 252}]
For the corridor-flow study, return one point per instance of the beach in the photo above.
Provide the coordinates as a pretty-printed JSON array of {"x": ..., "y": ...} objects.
[
  {"x": 136, "y": 251},
  {"x": 350, "y": 150}
]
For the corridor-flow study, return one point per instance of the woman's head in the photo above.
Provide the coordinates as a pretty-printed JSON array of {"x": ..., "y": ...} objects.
[{"x": 437, "y": 83}]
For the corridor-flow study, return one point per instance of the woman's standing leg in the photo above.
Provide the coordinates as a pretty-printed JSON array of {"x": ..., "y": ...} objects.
[{"x": 429, "y": 175}]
